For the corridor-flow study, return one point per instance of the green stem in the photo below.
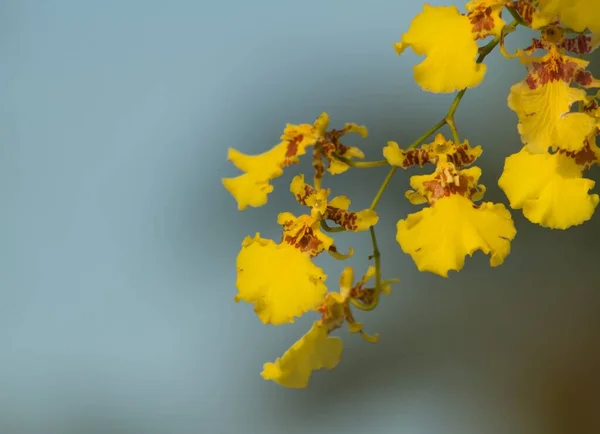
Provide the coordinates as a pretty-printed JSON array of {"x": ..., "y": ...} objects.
[
  {"x": 382, "y": 188},
  {"x": 384, "y": 185},
  {"x": 426, "y": 134},
  {"x": 453, "y": 130},
  {"x": 377, "y": 259},
  {"x": 449, "y": 119},
  {"x": 328, "y": 228},
  {"x": 517, "y": 17},
  {"x": 363, "y": 164}
]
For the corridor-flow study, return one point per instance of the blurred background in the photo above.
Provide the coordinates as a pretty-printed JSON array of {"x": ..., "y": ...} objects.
[{"x": 118, "y": 242}]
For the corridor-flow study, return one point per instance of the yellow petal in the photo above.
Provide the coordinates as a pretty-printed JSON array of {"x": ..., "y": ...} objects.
[
  {"x": 361, "y": 130},
  {"x": 252, "y": 188},
  {"x": 544, "y": 116},
  {"x": 336, "y": 254},
  {"x": 355, "y": 327},
  {"x": 576, "y": 14},
  {"x": 369, "y": 274},
  {"x": 394, "y": 155},
  {"x": 337, "y": 211},
  {"x": 321, "y": 124},
  {"x": 549, "y": 188},
  {"x": 484, "y": 16},
  {"x": 280, "y": 281},
  {"x": 248, "y": 190},
  {"x": 386, "y": 285},
  {"x": 439, "y": 237},
  {"x": 314, "y": 351},
  {"x": 445, "y": 36},
  {"x": 337, "y": 167},
  {"x": 341, "y": 202},
  {"x": 300, "y": 189},
  {"x": 415, "y": 198}
]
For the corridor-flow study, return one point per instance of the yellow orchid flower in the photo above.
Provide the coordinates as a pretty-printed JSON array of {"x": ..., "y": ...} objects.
[
  {"x": 445, "y": 37},
  {"x": 335, "y": 210},
  {"x": 440, "y": 236},
  {"x": 253, "y": 187}
]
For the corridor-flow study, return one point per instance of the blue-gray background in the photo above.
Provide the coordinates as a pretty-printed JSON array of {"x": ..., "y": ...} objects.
[{"x": 118, "y": 242}]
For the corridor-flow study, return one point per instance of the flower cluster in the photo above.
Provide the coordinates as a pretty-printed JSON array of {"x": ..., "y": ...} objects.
[
  {"x": 558, "y": 114},
  {"x": 545, "y": 178},
  {"x": 281, "y": 279}
]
